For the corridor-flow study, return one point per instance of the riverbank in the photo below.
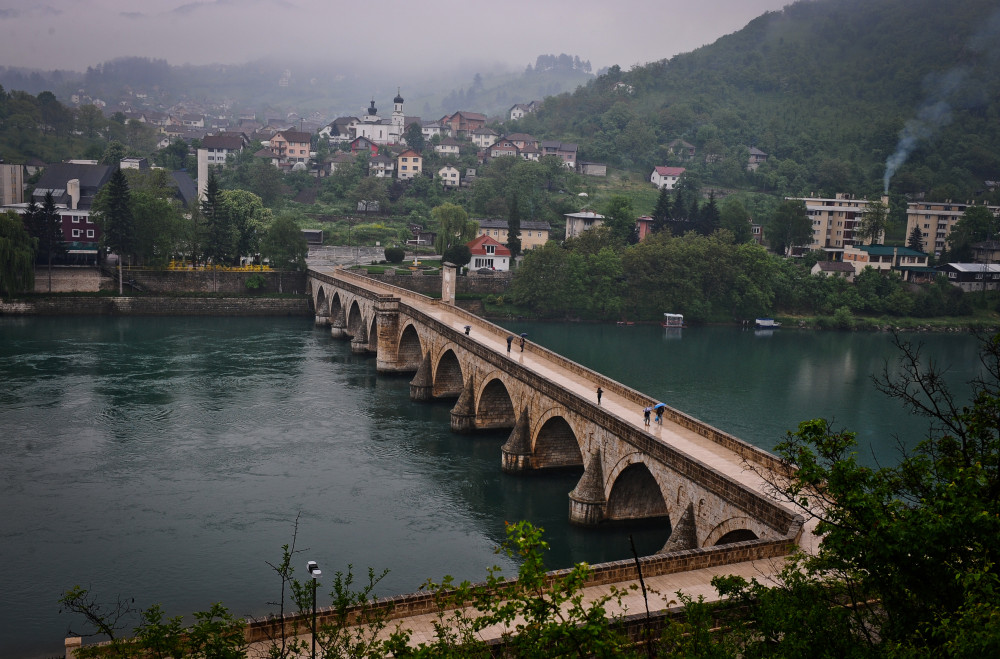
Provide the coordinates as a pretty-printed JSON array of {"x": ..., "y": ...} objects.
[{"x": 156, "y": 305}]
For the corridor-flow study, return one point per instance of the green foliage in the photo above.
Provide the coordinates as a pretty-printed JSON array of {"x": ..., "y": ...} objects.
[
  {"x": 790, "y": 226},
  {"x": 395, "y": 254},
  {"x": 908, "y": 562},
  {"x": 874, "y": 222},
  {"x": 114, "y": 216},
  {"x": 977, "y": 224},
  {"x": 459, "y": 255},
  {"x": 538, "y": 616},
  {"x": 255, "y": 282},
  {"x": 284, "y": 245},
  {"x": 17, "y": 255},
  {"x": 215, "y": 632},
  {"x": 453, "y": 226}
]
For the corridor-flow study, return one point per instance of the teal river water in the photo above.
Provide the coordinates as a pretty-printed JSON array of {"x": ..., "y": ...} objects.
[{"x": 166, "y": 459}]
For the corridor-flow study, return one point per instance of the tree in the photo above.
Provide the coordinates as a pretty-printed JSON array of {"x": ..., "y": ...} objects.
[
  {"x": 734, "y": 218},
  {"x": 414, "y": 137},
  {"x": 916, "y": 239},
  {"x": 453, "y": 226},
  {"x": 909, "y": 565},
  {"x": 284, "y": 244},
  {"x": 661, "y": 214},
  {"x": 789, "y": 227},
  {"x": 114, "y": 216},
  {"x": 874, "y": 222},
  {"x": 17, "y": 255},
  {"x": 49, "y": 232},
  {"x": 514, "y": 227},
  {"x": 977, "y": 224},
  {"x": 620, "y": 219},
  {"x": 114, "y": 153},
  {"x": 248, "y": 219},
  {"x": 459, "y": 255},
  {"x": 220, "y": 235}
]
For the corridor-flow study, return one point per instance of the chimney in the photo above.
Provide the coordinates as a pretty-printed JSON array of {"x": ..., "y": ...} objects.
[{"x": 73, "y": 189}]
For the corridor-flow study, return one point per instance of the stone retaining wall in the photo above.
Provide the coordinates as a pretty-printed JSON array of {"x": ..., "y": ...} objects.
[
  {"x": 158, "y": 306},
  {"x": 494, "y": 284},
  {"x": 208, "y": 281}
]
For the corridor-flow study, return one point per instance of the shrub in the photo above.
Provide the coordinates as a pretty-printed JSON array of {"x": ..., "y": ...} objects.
[{"x": 395, "y": 254}]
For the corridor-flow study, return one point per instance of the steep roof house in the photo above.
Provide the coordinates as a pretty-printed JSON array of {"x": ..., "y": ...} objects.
[
  {"x": 449, "y": 176},
  {"x": 666, "y": 177},
  {"x": 488, "y": 253}
]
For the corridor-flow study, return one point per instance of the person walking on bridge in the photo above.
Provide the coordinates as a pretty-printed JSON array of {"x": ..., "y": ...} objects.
[
  {"x": 599, "y": 392},
  {"x": 510, "y": 340}
]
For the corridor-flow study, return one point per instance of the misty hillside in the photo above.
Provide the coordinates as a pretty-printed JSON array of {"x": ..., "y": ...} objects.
[{"x": 824, "y": 87}]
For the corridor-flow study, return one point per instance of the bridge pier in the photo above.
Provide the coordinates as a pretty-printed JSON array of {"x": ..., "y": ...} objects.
[
  {"x": 516, "y": 451},
  {"x": 337, "y": 325},
  {"x": 586, "y": 501},
  {"x": 463, "y": 415},
  {"x": 684, "y": 534},
  {"x": 422, "y": 386},
  {"x": 359, "y": 342},
  {"x": 322, "y": 321},
  {"x": 387, "y": 332}
]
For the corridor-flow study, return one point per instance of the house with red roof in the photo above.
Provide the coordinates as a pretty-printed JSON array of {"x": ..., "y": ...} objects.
[
  {"x": 488, "y": 253},
  {"x": 666, "y": 177}
]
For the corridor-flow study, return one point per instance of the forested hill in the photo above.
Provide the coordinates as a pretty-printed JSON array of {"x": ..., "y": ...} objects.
[{"x": 825, "y": 87}]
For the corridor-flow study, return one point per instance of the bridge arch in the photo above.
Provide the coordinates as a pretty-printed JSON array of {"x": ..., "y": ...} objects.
[
  {"x": 494, "y": 407},
  {"x": 448, "y": 378},
  {"x": 554, "y": 444},
  {"x": 355, "y": 319},
  {"x": 373, "y": 334},
  {"x": 410, "y": 351},
  {"x": 336, "y": 304},
  {"x": 734, "y": 529},
  {"x": 322, "y": 304},
  {"x": 635, "y": 492}
]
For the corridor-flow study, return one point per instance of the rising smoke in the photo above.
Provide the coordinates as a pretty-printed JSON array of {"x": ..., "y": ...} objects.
[
  {"x": 935, "y": 112},
  {"x": 932, "y": 115}
]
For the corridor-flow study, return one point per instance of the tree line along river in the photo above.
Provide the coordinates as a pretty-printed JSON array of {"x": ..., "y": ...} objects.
[{"x": 166, "y": 459}]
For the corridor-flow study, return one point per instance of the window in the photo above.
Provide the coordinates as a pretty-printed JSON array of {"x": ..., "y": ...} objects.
[
  {"x": 76, "y": 233},
  {"x": 491, "y": 249},
  {"x": 90, "y": 220},
  {"x": 76, "y": 219},
  {"x": 90, "y": 233}
]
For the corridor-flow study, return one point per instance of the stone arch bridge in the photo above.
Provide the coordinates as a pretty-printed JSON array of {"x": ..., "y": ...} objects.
[{"x": 705, "y": 483}]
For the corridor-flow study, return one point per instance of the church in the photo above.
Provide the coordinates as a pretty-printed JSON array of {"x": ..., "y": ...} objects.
[{"x": 383, "y": 131}]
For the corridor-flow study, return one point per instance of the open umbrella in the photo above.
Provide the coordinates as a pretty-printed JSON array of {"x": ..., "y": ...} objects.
[
  {"x": 524, "y": 334},
  {"x": 658, "y": 406},
  {"x": 647, "y": 409}
]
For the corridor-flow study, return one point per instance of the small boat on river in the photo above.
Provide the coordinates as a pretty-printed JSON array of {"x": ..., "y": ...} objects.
[
  {"x": 767, "y": 323},
  {"x": 673, "y": 320}
]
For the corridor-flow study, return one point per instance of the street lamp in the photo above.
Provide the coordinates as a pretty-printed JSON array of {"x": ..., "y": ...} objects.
[{"x": 315, "y": 573}]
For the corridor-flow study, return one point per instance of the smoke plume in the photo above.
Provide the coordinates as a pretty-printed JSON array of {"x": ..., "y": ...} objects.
[{"x": 932, "y": 115}]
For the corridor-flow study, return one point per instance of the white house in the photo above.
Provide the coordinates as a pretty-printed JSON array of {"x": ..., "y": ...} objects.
[
  {"x": 666, "y": 177},
  {"x": 449, "y": 146},
  {"x": 449, "y": 176}
]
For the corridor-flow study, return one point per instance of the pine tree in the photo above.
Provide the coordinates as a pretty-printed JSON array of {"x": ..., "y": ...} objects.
[
  {"x": 661, "y": 214},
  {"x": 49, "y": 232},
  {"x": 916, "y": 240},
  {"x": 220, "y": 240},
  {"x": 114, "y": 208}
]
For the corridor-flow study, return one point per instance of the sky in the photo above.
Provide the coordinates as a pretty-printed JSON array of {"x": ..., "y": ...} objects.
[{"x": 75, "y": 34}]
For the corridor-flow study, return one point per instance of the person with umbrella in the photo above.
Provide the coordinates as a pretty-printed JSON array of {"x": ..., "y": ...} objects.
[
  {"x": 523, "y": 335},
  {"x": 645, "y": 415},
  {"x": 510, "y": 339},
  {"x": 659, "y": 407}
]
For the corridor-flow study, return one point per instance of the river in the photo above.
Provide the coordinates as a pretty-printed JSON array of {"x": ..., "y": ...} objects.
[{"x": 166, "y": 459}]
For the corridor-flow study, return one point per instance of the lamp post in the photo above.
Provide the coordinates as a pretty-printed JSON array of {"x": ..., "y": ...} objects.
[{"x": 315, "y": 573}]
